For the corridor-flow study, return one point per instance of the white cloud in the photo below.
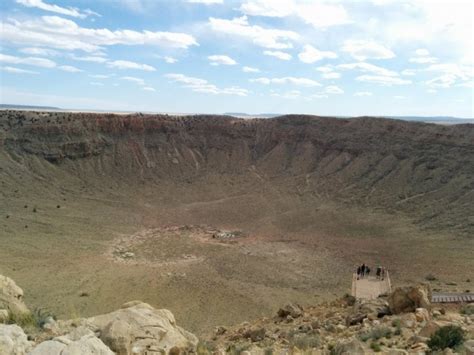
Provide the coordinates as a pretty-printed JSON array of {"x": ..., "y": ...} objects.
[
  {"x": 363, "y": 50},
  {"x": 409, "y": 72},
  {"x": 363, "y": 93},
  {"x": 170, "y": 60},
  {"x": 93, "y": 59},
  {"x": 383, "y": 80},
  {"x": 250, "y": 70},
  {"x": 311, "y": 54},
  {"x": 69, "y": 11},
  {"x": 125, "y": 64},
  {"x": 278, "y": 54},
  {"x": 444, "y": 24},
  {"x": 15, "y": 70},
  {"x": 331, "y": 75},
  {"x": 206, "y": 2},
  {"x": 464, "y": 72},
  {"x": 57, "y": 32},
  {"x": 423, "y": 60},
  {"x": 263, "y": 37},
  {"x": 320, "y": 96},
  {"x": 317, "y": 14},
  {"x": 99, "y": 76},
  {"x": 95, "y": 83},
  {"x": 432, "y": 91},
  {"x": 422, "y": 52},
  {"x": 39, "y": 51},
  {"x": 325, "y": 69},
  {"x": 333, "y": 89},
  {"x": 399, "y": 97},
  {"x": 34, "y": 61},
  {"x": 203, "y": 86},
  {"x": 291, "y": 95},
  {"x": 70, "y": 69},
  {"x": 148, "y": 88},
  {"x": 368, "y": 68},
  {"x": 444, "y": 81},
  {"x": 221, "y": 60},
  {"x": 133, "y": 79},
  {"x": 450, "y": 74},
  {"x": 286, "y": 80}
]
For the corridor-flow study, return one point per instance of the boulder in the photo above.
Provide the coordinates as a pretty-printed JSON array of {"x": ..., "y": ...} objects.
[
  {"x": 11, "y": 296},
  {"x": 293, "y": 310},
  {"x": 469, "y": 346},
  {"x": 431, "y": 327},
  {"x": 422, "y": 315},
  {"x": 138, "y": 328},
  {"x": 408, "y": 320},
  {"x": 80, "y": 341},
  {"x": 13, "y": 341},
  {"x": 409, "y": 298},
  {"x": 377, "y": 307}
]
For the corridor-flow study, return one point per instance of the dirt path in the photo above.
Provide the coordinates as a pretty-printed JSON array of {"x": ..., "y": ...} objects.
[{"x": 370, "y": 287}]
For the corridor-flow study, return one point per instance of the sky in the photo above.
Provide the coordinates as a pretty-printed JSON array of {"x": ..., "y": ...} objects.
[{"x": 323, "y": 57}]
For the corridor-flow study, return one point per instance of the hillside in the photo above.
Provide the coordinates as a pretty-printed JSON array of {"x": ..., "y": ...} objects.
[{"x": 312, "y": 195}]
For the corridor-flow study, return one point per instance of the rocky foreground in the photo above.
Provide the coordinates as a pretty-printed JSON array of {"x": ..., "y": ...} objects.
[{"x": 404, "y": 322}]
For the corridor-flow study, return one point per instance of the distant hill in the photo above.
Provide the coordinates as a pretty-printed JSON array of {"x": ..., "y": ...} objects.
[
  {"x": 434, "y": 119},
  {"x": 27, "y": 107}
]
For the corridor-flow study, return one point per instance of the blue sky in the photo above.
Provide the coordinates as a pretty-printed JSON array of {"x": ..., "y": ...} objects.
[{"x": 334, "y": 57}]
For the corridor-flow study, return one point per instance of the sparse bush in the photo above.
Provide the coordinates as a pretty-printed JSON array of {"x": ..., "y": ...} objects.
[
  {"x": 376, "y": 334},
  {"x": 450, "y": 336},
  {"x": 349, "y": 299},
  {"x": 30, "y": 320},
  {"x": 467, "y": 309},
  {"x": 431, "y": 277},
  {"x": 205, "y": 348},
  {"x": 305, "y": 342},
  {"x": 236, "y": 349},
  {"x": 375, "y": 347}
]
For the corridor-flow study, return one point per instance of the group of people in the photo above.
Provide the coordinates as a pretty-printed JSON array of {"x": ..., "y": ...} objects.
[{"x": 364, "y": 271}]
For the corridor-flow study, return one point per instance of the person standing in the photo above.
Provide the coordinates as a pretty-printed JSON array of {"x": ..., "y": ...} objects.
[
  {"x": 358, "y": 272},
  {"x": 362, "y": 270}
]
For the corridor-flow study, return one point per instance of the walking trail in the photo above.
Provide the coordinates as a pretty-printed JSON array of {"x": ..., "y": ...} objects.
[{"x": 370, "y": 287}]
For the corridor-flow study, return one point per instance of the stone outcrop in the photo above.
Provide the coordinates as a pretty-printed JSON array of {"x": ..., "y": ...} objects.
[
  {"x": 81, "y": 341},
  {"x": 409, "y": 298},
  {"x": 138, "y": 328},
  {"x": 13, "y": 340},
  {"x": 11, "y": 296}
]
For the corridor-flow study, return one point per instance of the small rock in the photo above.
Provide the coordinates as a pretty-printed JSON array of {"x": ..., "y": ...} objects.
[
  {"x": 292, "y": 310},
  {"x": 220, "y": 330},
  {"x": 422, "y": 315},
  {"x": 255, "y": 334}
]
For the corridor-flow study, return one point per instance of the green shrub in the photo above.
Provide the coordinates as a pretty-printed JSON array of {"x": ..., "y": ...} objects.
[
  {"x": 30, "y": 320},
  {"x": 397, "y": 323},
  {"x": 431, "y": 277},
  {"x": 375, "y": 347},
  {"x": 205, "y": 348},
  {"x": 236, "y": 349},
  {"x": 467, "y": 309},
  {"x": 305, "y": 342},
  {"x": 376, "y": 334},
  {"x": 449, "y": 336}
]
